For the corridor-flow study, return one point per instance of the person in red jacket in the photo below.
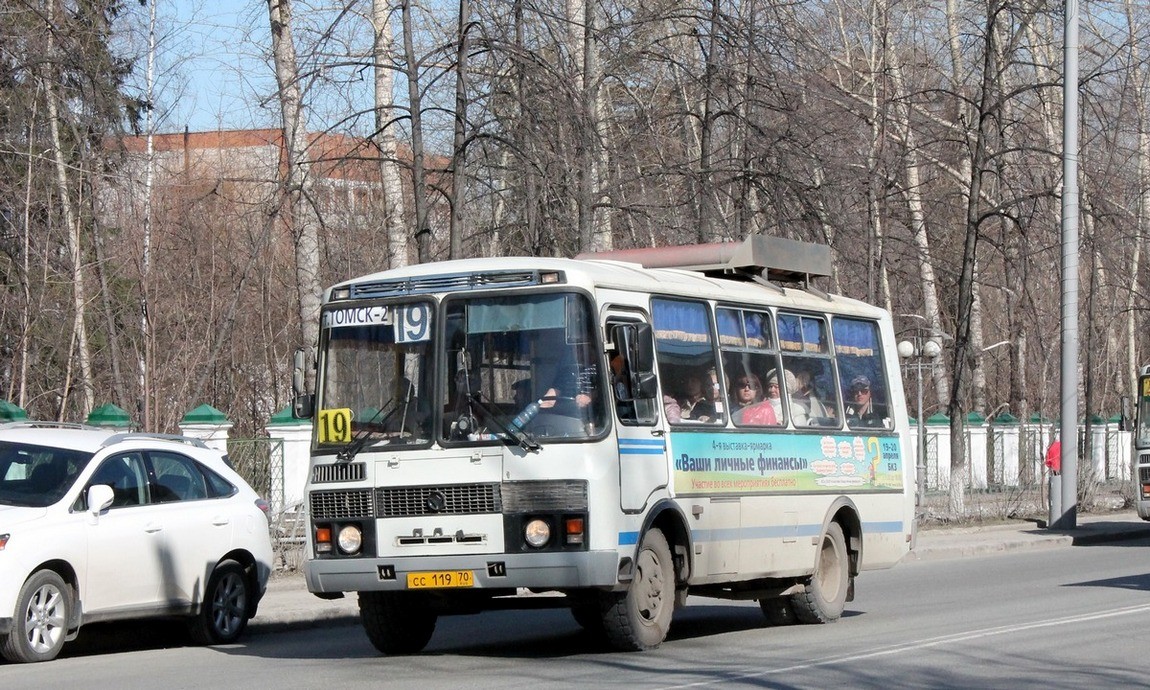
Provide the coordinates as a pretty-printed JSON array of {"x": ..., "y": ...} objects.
[{"x": 1054, "y": 457}]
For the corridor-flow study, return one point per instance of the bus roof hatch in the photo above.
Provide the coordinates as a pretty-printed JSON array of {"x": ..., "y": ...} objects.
[{"x": 773, "y": 258}]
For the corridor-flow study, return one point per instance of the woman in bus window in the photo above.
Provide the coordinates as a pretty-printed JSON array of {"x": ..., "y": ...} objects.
[{"x": 749, "y": 407}]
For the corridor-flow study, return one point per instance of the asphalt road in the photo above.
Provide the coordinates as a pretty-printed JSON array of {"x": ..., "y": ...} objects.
[{"x": 1061, "y": 618}]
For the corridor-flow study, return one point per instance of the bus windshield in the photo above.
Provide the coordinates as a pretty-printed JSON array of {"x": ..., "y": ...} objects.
[
  {"x": 376, "y": 380},
  {"x": 1142, "y": 434},
  {"x": 522, "y": 368}
]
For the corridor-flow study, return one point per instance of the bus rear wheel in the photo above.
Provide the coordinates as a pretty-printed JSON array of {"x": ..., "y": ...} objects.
[
  {"x": 641, "y": 617},
  {"x": 396, "y": 623},
  {"x": 825, "y": 595}
]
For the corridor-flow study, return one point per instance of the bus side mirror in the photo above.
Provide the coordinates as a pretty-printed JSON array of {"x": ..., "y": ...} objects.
[
  {"x": 303, "y": 403},
  {"x": 643, "y": 380}
]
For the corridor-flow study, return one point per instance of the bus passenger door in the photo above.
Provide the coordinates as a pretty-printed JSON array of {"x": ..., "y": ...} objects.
[{"x": 640, "y": 427}]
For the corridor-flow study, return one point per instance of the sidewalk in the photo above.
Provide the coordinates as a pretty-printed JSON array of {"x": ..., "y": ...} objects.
[
  {"x": 288, "y": 605},
  {"x": 960, "y": 542}
]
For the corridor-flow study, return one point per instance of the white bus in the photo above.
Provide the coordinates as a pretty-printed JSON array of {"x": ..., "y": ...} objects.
[{"x": 618, "y": 431}]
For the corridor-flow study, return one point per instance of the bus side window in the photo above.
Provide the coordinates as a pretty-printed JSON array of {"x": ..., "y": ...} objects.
[
  {"x": 866, "y": 394},
  {"x": 685, "y": 347},
  {"x": 804, "y": 341}
]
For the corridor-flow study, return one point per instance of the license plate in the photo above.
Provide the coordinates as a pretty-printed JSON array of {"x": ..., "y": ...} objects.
[{"x": 441, "y": 579}]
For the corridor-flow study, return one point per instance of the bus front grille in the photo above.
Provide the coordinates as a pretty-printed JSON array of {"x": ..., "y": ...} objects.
[
  {"x": 342, "y": 472},
  {"x": 340, "y": 505},
  {"x": 450, "y": 499},
  {"x": 456, "y": 499}
]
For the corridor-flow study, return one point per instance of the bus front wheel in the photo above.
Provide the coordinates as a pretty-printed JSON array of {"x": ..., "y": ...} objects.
[
  {"x": 640, "y": 617},
  {"x": 396, "y": 623},
  {"x": 825, "y": 595}
]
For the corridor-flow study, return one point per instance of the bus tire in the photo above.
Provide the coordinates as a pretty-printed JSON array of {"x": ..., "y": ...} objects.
[
  {"x": 825, "y": 595},
  {"x": 396, "y": 623},
  {"x": 778, "y": 611},
  {"x": 640, "y": 618}
]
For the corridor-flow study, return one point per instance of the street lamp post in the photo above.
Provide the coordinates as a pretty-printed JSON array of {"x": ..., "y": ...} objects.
[{"x": 920, "y": 353}]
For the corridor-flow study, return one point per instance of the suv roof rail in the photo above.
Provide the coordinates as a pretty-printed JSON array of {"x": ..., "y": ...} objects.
[
  {"x": 130, "y": 435},
  {"x": 45, "y": 424}
]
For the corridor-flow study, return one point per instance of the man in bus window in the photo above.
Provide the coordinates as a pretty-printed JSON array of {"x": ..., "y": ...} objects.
[
  {"x": 861, "y": 408},
  {"x": 695, "y": 404}
]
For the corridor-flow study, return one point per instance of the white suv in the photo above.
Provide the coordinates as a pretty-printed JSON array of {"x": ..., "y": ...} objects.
[{"x": 97, "y": 525}]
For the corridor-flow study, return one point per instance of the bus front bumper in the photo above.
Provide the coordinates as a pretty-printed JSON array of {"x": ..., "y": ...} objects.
[{"x": 539, "y": 571}]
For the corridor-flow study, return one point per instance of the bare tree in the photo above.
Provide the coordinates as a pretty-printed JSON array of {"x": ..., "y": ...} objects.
[
  {"x": 299, "y": 212},
  {"x": 395, "y": 226}
]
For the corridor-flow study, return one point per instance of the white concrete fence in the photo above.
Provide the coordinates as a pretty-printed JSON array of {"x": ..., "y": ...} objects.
[
  {"x": 1007, "y": 454},
  {"x": 1001, "y": 454}
]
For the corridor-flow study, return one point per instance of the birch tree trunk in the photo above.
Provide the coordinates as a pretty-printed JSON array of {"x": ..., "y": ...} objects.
[
  {"x": 394, "y": 206},
  {"x": 912, "y": 169},
  {"x": 594, "y": 220},
  {"x": 1142, "y": 217},
  {"x": 300, "y": 213},
  {"x": 75, "y": 253},
  {"x": 415, "y": 100},
  {"x": 459, "y": 143}
]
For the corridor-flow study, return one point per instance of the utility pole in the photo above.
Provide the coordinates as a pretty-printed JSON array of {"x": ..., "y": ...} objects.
[{"x": 1064, "y": 515}]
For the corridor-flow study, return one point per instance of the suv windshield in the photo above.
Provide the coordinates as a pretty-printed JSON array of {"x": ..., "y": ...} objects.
[
  {"x": 375, "y": 384},
  {"x": 522, "y": 368},
  {"x": 37, "y": 476}
]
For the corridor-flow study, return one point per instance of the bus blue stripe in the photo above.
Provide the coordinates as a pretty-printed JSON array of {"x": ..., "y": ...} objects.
[
  {"x": 781, "y": 531},
  {"x": 638, "y": 446},
  {"x": 768, "y": 532}
]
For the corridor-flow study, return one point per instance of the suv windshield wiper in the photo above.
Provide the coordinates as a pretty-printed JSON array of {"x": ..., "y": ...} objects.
[{"x": 525, "y": 440}]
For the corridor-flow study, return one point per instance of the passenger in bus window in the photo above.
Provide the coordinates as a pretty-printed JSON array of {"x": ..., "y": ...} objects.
[
  {"x": 800, "y": 415},
  {"x": 805, "y": 395},
  {"x": 862, "y": 410},
  {"x": 749, "y": 407},
  {"x": 695, "y": 405},
  {"x": 774, "y": 391}
]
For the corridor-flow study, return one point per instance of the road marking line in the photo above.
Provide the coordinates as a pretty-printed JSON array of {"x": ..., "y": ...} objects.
[{"x": 922, "y": 644}]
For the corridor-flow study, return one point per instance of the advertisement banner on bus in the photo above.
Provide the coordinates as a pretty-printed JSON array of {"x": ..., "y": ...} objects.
[{"x": 765, "y": 463}]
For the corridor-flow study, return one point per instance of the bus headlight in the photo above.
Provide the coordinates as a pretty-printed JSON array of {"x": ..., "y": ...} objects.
[
  {"x": 350, "y": 539},
  {"x": 537, "y": 533}
]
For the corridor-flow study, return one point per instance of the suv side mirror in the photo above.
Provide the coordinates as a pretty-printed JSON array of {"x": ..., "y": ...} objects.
[{"x": 100, "y": 497}]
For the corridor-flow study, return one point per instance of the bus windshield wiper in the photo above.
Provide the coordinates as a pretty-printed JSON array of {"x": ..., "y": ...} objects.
[
  {"x": 525, "y": 440},
  {"x": 365, "y": 432}
]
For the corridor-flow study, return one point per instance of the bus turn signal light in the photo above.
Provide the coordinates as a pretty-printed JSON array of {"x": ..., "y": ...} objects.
[
  {"x": 323, "y": 540},
  {"x": 574, "y": 530}
]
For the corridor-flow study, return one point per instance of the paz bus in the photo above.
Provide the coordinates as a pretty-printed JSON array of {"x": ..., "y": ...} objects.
[{"x": 619, "y": 430}]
